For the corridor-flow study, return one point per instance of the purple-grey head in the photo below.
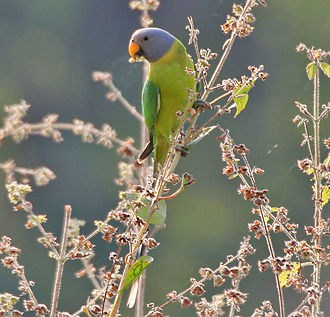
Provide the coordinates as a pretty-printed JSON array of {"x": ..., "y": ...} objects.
[{"x": 150, "y": 43}]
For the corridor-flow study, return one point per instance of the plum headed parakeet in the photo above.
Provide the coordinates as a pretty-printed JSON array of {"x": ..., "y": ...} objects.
[{"x": 167, "y": 88}]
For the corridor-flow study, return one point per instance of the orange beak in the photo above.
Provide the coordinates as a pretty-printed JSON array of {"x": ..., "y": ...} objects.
[{"x": 133, "y": 48}]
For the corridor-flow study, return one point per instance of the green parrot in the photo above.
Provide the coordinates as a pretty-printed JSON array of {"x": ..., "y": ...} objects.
[{"x": 167, "y": 88}]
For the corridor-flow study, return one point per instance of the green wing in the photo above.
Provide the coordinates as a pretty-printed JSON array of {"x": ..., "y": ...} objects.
[
  {"x": 150, "y": 103},
  {"x": 150, "y": 107}
]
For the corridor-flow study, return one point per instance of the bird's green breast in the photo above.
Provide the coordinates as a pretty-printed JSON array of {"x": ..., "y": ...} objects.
[{"x": 170, "y": 75}]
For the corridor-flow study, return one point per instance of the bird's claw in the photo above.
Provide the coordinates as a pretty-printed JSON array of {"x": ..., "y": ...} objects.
[
  {"x": 200, "y": 105},
  {"x": 184, "y": 150}
]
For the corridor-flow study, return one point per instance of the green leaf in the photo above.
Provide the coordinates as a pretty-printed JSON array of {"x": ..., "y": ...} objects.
[
  {"x": 232, "y": 176},
  {"x": 272, "y": 209},
  {"x": 242, "y": 97},
  {"x": 136, "y": 270},
  {"x": 241, "y": 103},
  {"x": 326, "y": 161},
  {"x": 311, "y": 69},
  {"x": 240, "y": 90},
  {"x": 325, "y": 68},
  {"x": 285, "y": 276},
  {"x": 309, "y": 171},
  {"x": 159, "y": 216},
  {"x": 325, "y": 195},
  {"x": 205, "y": 132}
]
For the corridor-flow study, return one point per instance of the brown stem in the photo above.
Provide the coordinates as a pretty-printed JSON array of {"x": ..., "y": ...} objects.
[
  {"x": 139, "y": 308},
  {"x": 136, "y": 246},
  {"x": 268, "y": 240},
  {"x": 131, "y": 109},
  {"x": 216, "y": 73},
  {"x": 93, "y": 233},
  {"x": 90, "y": 274},
  {"x": 60, "y": 261},
  {"x": 25, "y": 282},
  {"x": 272, "y": 255},
  {"x": 226, "y": 52},
  {"x": 37, "y": 128},
  {"x": 144, "y": 137},
  {"x": 308, "y": 141},
  {"x": 317, "y": 188},
  {"x": 189, "y": 288}
]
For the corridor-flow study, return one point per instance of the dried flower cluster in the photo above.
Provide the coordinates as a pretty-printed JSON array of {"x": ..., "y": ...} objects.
[
  {"x": 232, "y": 297},
  {"x": 19, "y": 130},
  {"x": 313, "y": 54},
  {"x": 145, "y": 6},
  {"x": 41, "y": 175},
  {"x": 265, "y": 310},
  {"x": 240, "y": 23},
  {"x": 291, "y": 268},
  {"x": 9, "y": 258},
  {"x": 287, "y": 271}
]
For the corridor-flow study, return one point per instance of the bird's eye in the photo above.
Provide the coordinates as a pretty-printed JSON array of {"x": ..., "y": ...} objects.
[{"x": 146, "y": 38}]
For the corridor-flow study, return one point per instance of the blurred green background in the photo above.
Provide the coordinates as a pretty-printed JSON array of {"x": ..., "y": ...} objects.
[{"x": 47, "y": 54}]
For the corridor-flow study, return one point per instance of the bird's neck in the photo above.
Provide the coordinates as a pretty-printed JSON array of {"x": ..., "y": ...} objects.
[{"x": 176, "y": 53}]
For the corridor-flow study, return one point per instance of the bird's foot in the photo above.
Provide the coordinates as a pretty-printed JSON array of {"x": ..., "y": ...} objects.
[
  {"x": 200, "y": 105},
  {"x": 184, "y": 150}
]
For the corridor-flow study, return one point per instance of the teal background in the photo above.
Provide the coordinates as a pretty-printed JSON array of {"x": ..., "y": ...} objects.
[{"x": 47, "y": 54}]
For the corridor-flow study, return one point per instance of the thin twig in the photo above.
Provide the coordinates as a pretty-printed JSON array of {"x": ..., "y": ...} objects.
[
  {"x": 263, "y": 209},
  {"x": 93, "y": 233},
  {"x": 130, "y": 108},
  {"x": 236, "y": 287},
  {"x": 60, "y": 261},
  {"x": 91, "y": 302},
  {"x": 226, "y": 52},
  {"x": 301, "y": 304},
  {"x": 317, "y": 188},
  {"x": 272, "y": 254},
  {"x": 90, "y": 274},
  {"x": 140, "y": 299},
  {"x": 144, "y": 137},
  {"x": 109, "y": 280},
  {"x": 308, "y": 141},
  {"x": 136, "y": 245},
  {"x": 128, "y": 264},
  {"x": 232, "y": 259},
  {"x": 325, "y": 111},
  {"x": 197, "y": 51},
  {"x": 222, "y": 61},
  {"x": 38, "y": 128},
  {"x": 25, "y": 282},
  {"x": 230, "y": 42},
  {"x": 220, "y": 97},
  {"x": 268, "y": 239},
  {"x": 139, "y": 307}
]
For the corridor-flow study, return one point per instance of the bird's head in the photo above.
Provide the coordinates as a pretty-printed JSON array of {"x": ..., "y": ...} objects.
[{"x": 150, "y": 43}]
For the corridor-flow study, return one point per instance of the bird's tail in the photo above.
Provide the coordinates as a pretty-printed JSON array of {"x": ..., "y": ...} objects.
[
  {"x": 133, "y": 294},
  {"x": 146, "y": 152}
]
